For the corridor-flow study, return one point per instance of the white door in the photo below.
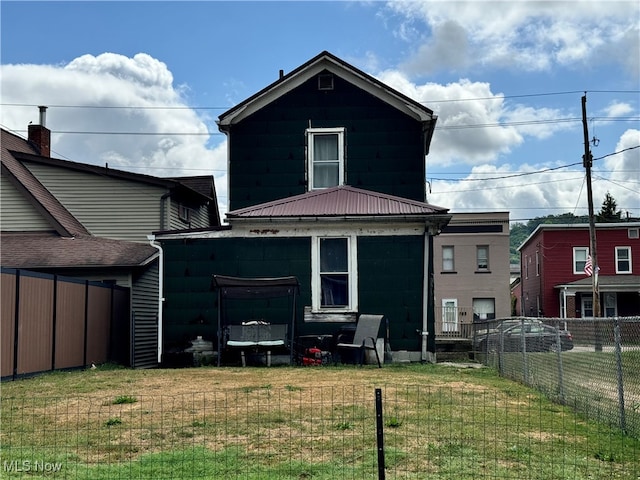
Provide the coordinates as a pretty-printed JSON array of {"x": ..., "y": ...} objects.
[{"x": 449, "y": 315}]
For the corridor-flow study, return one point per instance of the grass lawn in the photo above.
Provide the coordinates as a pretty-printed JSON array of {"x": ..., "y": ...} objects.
[{"x": 440, "y": 422}]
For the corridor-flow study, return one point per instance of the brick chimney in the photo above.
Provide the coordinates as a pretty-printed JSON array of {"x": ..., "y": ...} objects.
[{"x": 40, "y": 135}]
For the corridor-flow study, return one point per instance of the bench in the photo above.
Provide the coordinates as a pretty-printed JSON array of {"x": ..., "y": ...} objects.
[{"x": 257, "y": 337}]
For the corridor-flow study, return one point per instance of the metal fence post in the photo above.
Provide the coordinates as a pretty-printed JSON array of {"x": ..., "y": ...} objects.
[
  {"x": 523, "y": 345},
  {"x": 380, "y": 434},
  {"x": 618, "y": 349},
  {"x": 560, "y": 369}
]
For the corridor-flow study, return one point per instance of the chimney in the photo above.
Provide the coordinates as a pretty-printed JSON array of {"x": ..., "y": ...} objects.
[{"x": 40, "y": 135}]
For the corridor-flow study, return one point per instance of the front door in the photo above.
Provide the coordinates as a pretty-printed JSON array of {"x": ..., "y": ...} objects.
[
  {"x": 449, "y": 315},
  {"x": 587, "y": 306}
]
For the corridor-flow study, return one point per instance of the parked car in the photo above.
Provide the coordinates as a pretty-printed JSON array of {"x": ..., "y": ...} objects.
[{"x": 537, "y": 337}]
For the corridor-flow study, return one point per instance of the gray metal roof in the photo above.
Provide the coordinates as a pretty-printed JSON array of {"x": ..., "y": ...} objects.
[{"x": 341, "y": 201}]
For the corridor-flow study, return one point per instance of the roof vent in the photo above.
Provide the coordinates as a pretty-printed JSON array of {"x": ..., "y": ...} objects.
[{"x": 325, "y": 81}]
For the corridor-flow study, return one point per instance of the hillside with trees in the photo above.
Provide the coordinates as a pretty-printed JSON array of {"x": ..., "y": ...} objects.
[{"x": 519, "y": 232}]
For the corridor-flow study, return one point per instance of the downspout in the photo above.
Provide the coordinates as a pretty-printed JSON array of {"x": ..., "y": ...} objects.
[
  {"x": 428, "y": 311},
  {"x": 424, "y": 333},
  {"x": 157, "y": 246}
]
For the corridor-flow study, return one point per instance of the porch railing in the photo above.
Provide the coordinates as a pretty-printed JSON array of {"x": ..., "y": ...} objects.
[{"x": 454, "y": 322}]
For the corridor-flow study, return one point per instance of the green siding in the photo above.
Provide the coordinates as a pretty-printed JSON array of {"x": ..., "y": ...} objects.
[
  {"x": 391, "y": 283},
  {"x": 385, "y": 148},
  {"x": 191, "y": 303}
]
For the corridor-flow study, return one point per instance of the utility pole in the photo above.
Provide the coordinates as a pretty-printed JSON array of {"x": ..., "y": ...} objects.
[{"x": 587, "y": 160}]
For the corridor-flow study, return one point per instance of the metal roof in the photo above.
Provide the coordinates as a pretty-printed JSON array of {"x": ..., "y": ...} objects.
[{"x": 340, "y": 201}]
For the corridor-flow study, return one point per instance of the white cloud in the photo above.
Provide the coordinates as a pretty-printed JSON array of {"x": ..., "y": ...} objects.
[
  {"x": 548, "y": 189},
  {"x": 101, "y": 85},
  {"x": 475, "y": 125},
  {"x": 523, "y": 35}
]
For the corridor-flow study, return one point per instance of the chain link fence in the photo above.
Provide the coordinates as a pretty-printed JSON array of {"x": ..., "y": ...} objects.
[
  {"x": 455, "y": 431},
  {"x": 591, "y": 364}
]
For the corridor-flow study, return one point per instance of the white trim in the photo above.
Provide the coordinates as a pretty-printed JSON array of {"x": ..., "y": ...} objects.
[
  {"x": 277, "y": 229},
  {"x": 628, "y": 259},
  {"x": 586, "y": 255},
  {"x": 311, "y": 133},
  {"x": 352, "y": 246},
  {"x": 325, "y": 63}
]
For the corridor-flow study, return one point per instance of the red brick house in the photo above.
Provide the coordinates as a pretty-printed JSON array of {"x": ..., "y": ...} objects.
[{"x": 553, "y": 278}]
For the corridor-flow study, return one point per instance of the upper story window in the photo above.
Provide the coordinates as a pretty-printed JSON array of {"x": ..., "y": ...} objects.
[
  {"x": 325, "y": 155},
  {"x": 579, "y": 259},
  {"x": 482, "y": 257},
  {"x": 334, "y": 277},
  {"x": 184, "y": 213},
  {"x": 448, "y": 264},
  {"x": 537, "y": 263},
  {"x": 623, "y": 259}
]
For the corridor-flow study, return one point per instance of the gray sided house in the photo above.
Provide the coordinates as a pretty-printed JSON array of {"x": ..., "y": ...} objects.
[
  {"x": 94, "y": 223},
  {"x": 327, "y": 184}
]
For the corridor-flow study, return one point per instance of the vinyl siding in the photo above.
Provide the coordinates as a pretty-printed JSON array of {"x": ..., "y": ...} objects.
[
  {"x": 144, "y": 307},
  {"x": 17, "y": 214},
  {"x": 199, "y": 217},
  {"x": 107, "y": 207}
]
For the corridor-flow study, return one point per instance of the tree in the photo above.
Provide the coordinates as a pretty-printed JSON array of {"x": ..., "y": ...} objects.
[{"x": 609, "y": 212}]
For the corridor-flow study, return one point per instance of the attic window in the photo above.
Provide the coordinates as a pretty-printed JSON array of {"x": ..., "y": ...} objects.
[
  {"x": 634, "y": 232},
  {"x": 325, "y": 81},
  {"x": 184, "y": 213}
]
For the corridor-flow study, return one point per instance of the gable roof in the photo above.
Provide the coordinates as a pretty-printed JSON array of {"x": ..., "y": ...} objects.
[
  {"x": 341, "y": 201},
  {"x": 15, "y": 150},
  {"x": 64, "y": 223},
  {"x": 325, "y": 61},
  {"x": 71, "y": 245}
]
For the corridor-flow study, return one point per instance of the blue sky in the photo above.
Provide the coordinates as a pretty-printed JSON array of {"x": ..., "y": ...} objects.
[{"x": 505, "y": 79}]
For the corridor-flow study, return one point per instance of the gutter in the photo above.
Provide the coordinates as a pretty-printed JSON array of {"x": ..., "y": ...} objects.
[{"x": 157, "y": 246}]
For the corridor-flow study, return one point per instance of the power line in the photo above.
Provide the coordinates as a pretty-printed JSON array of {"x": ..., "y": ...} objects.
[{"x": 226, "y": 107}]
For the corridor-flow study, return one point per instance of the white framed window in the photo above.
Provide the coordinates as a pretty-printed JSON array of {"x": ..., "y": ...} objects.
[
  {"x": 448, "y": 263},
  {"x": 633, "y": 233},
  {"x": 334, "y": 278},
  {"x": 579, "y": 259},
  {"x": 482, "y": 257},
  {"x": 484, "y": 308},
  {"x": 325, "y": 154},
  {"x": 623, "y": 259}
]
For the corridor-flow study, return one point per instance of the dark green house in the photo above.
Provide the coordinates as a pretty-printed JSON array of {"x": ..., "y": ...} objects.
[{"x": 326, "y": 184}]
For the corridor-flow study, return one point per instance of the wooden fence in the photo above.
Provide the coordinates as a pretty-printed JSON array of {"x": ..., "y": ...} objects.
[{"x": 50, "y": 322}]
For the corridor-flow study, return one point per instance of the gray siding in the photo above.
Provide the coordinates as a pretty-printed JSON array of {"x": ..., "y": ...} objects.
[
  {"x": 199, "y": 217},
  {"x": 144, "y": 307},
  {"x": 17, "y": 214},
  {"x": 107, "y": 207}
]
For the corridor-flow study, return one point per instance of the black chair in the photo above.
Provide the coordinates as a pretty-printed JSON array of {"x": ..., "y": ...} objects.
[{"x": 365, "y": 336}]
